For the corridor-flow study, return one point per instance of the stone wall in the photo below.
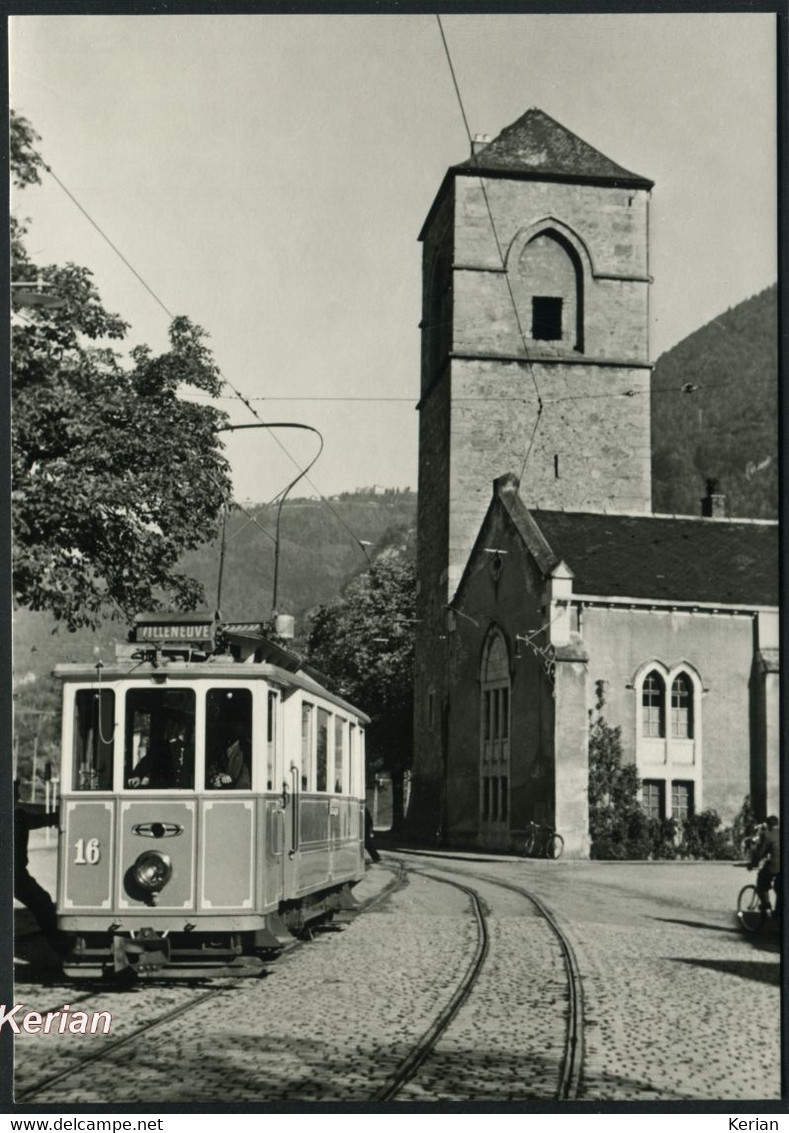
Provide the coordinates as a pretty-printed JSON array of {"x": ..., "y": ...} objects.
[{"x": 720, "y": 647}]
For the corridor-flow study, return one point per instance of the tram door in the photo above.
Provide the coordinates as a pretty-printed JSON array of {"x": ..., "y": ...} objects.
[
  {"x": 336, "y": 787},
  {"x": 277, "y": 816}
]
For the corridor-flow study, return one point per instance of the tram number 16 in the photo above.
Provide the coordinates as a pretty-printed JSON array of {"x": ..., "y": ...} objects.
[{"x": 87, "y": 852}]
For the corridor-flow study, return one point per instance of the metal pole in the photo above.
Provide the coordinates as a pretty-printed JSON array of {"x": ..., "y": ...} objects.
[
  {"x": 221, "y": 563},
  {"x": 34, "y": 780},
  {"x": 302, "y": 472}
]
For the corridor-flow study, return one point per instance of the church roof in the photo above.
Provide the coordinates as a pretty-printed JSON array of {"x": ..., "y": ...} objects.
[
  {"x": 540, "y": 147},
  {"x": 666, "y": 558}
]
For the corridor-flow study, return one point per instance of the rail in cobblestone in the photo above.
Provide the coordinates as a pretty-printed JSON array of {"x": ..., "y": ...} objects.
[
  {"x": 410, "y": 1065},
  {"x": 572, "y": 1063}
]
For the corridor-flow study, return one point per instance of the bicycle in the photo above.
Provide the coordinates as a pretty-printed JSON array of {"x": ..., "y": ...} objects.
[
  {"x": 750, "y": 912},
  {"x": 542, "y": 842}
]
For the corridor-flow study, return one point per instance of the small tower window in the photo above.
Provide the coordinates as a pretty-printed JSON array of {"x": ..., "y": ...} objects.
[{"x": 546, "y": 318}]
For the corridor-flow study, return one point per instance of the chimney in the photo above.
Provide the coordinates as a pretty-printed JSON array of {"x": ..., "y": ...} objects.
[
  {"x": 713, "y": 506},
  {"x": 506, "y": 485},
  {"x": 479, "y": 143}
]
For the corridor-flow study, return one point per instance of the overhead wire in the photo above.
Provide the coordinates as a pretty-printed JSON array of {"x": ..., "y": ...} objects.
[
  {"x": 237, "y": 393},
  {"x": 502, "y": 257}
]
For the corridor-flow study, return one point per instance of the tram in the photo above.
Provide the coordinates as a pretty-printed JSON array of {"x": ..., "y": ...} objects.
[{"x": 212, "y": 800}]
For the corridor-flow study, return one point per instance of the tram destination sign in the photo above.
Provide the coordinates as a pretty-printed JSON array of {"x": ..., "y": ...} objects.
[{"x": 176, "y": 630}]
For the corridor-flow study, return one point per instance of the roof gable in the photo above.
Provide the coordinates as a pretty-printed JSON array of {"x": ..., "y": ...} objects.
[
  {"x": 661, "y": 559},
  {"x": 538, "y": 145}
]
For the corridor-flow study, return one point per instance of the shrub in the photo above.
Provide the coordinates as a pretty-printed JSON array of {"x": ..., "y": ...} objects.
[
  {"x": 702, "y": 839},
  {"x": 742, "y": 829},
  {"x": 615, "y": 817},
  {"x": 619, "y": 828}
]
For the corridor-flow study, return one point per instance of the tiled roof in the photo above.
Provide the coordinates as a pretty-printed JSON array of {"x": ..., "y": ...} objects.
[
  {"x": 538, "y": 145},
  {"x": 666, "y": 558}
]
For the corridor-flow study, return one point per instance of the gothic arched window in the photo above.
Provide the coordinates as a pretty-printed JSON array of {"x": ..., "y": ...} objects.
[
  {"x": 653, "y": 705},
  {"x": 668, "y": 739},
  {"x": 682, "y": 707},
  {"x": 551, "y": 285}
]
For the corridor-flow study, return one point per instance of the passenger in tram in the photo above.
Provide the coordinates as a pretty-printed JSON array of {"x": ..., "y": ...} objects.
[
  {"x": 164, "y": 766},
  {"x": 231, "y": 770}
]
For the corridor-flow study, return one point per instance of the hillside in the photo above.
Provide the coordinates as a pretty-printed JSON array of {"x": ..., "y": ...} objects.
[
  {"x": 318, "y": 555},
  {"x": 727, "y": 428}
]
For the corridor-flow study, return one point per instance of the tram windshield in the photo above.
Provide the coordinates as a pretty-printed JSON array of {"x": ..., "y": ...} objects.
[
  {"x": 159, "y": 751},
  {"x": 228, "y": 739},
  {"x": 94, "y": 733}
]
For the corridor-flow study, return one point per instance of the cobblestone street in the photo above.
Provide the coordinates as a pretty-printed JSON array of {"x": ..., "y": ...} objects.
[{"x": 677, "y": 1003}]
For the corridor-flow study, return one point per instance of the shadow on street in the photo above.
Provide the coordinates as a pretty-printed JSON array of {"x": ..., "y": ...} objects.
[
  {"x": 764, "y": 971},
  {"x": 698, "y": 924}
]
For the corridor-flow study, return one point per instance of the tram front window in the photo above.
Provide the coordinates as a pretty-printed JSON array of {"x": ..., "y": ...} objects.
[
  {"x": 94, "y": 732},
  {"x": 159, "y": 751},
  {"x": 228, "y": 739}
]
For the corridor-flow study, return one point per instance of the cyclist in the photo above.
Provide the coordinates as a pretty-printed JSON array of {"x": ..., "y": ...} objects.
[{"x": 767, "y": 852}]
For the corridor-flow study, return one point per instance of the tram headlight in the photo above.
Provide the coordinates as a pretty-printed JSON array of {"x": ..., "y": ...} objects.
[{"x": 152, "y": 871}]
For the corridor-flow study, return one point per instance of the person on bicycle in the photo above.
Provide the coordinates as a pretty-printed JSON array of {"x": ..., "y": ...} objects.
[{"x": 767, "y": 851}]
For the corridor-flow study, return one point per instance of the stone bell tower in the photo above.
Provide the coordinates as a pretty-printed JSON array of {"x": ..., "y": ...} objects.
[{"x": 535, "y": 357}]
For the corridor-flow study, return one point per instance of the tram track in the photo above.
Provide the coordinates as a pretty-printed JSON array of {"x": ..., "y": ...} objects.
[
  {"x": 421, "y": 1051},
  {"x": 571, "y": 1069},
  {"x": 106, "y": 1050},
  {"x": 545, "y": 1054}
]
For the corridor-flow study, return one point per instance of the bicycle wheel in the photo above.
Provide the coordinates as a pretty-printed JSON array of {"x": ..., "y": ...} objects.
[
  {"x": 749, "y": 909},
  {"x": 528, "y": 845},
  {"x": 555, "y": 846}
]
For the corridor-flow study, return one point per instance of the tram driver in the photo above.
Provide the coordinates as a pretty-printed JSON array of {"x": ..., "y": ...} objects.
[{"x": 230, "y": 770}]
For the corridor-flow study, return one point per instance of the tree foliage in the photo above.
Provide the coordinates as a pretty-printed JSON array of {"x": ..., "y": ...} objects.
[
  {"x": 114, "y": 474},
  {"x": 365, "y": 641},
  {"x": 614, "y": 813},
  {"x": 619, "y": 828}
]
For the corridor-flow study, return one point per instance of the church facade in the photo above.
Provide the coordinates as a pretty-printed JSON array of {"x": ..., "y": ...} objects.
[{"x": 562, "y": 583}]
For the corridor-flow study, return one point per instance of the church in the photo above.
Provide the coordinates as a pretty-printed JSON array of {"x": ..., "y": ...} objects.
[{"x": 545, "y": 580}]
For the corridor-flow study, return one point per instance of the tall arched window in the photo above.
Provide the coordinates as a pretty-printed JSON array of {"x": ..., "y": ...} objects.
[
  {"x": 494, "y": 735},
  {"x": 682, "y": 707},
  {"x": 551, "y": 286},
  {"x": 653, "y": 705}
]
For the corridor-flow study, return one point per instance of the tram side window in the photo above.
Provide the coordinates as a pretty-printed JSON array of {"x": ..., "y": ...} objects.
[
  {"x": 228, "y": 739},
  {"x": 322, "y": 751},
  {"x": 94, "y": 731},
  {"x": 306, "y": 747},
  {"x": 159, "y": 750},
  {"x": 271, "y": 740},
  {"x": 339, "y": 755}
]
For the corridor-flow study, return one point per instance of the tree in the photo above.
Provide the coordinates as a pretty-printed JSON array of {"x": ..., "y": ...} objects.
[
  {"x": 364, "y": 640},
  {"x": 114, "y": 475},
  {"x": 616, "y": 821}
]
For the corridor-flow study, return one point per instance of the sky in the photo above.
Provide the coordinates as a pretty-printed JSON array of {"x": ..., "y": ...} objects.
[{"x": 268, "y": 176}]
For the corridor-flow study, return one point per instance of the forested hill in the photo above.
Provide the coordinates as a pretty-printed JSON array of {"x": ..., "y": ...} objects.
[
  {"x": 318, "y": 555},
  {"x": 727, "y": 428},
  {"x": 319, "y": 549}
]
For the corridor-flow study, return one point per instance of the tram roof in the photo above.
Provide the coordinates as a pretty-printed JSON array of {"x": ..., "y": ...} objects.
[
  {"x": 180, "y": 670},
  {"x": 197, "y": 645}
]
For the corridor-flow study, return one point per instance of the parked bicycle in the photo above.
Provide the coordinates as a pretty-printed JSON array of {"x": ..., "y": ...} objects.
[
  {"x": 751, "y": 913},
  {"x": 542, "y": 842}
]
